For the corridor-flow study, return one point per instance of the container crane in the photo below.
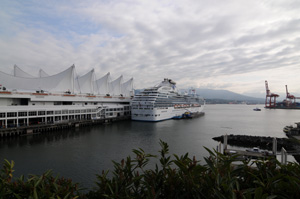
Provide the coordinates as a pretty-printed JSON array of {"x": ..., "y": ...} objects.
[
  {"x": 290, "y": 99},
  {"x": 288, "y": 95},
  {"x": 270, "y": 97}
]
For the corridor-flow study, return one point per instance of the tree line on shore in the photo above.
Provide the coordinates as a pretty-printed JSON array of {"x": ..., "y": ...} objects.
[{"x": 172, "y": 177}]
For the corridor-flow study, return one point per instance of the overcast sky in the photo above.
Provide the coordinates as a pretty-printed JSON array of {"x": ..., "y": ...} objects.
[{"x": 218, "y": 44}]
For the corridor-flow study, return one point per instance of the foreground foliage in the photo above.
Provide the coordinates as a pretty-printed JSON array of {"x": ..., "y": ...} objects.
[
  {"x": 44, "y": 186},
  {"x": 171, "y": 177},
  {"x": 184, "y": 177}
]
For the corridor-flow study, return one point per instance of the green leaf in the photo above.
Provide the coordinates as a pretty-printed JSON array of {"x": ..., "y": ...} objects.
[
  {"x": 39, "y": 181},
  {"x": 17, "y": 196},
  {"x": 35, "y": 195},
  {"x": 67, "y": 196}
]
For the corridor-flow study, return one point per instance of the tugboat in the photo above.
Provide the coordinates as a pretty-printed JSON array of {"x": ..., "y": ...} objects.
[
  {"x": 291, "y": 130},
  {"x": 257, "y": 109},
  {"x": 288, "y": 128}
]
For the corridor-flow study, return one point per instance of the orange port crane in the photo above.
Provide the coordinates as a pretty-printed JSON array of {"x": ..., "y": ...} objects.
[
  {"x": 290, "y": 98},
  {"x": 270, "y": 97},
  {"x": 288, "y": 95}
]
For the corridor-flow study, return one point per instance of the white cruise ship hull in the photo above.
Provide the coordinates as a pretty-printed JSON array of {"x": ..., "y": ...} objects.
[{"x": 160, "y": 114}]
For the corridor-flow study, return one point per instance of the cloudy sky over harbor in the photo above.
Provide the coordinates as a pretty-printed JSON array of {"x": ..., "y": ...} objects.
[{"x": 234, "y": 44}]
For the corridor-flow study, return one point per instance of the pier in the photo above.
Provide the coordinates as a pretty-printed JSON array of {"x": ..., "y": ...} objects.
[
  {"x": 262, "y": 142},
  {"x": 247, "y": 153},
  {"x": 253, "y": 141},
  {"x": 43, "y": 128}
]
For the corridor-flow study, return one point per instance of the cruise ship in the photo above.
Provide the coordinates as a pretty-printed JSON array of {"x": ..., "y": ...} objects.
[
  {"x": 27, "y": 100},
  {"x": 163, "y": 102}
]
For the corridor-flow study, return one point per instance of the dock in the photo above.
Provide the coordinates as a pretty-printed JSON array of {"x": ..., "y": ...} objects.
[
  {"x": 43, "y": 128},
  {"x": 247, "y": 154},
  {"x": 253, "y": 154}
]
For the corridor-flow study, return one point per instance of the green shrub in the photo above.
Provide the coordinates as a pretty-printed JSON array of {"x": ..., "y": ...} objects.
[
  {"x": 182, "y": 177},
  {"x": 44, "y": 186},
  {"x": 171, "y": 177}
]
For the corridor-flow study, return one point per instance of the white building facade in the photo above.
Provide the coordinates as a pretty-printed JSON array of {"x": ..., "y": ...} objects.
[{"x": 27, "y": 100}]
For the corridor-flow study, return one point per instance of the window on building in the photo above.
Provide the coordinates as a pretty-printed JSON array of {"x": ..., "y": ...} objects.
[
  {"x": 32, "y": 113},
  {"x": 20, "y": 114},
  {"x": 41, "y": 113},
  {"x": 49, "y": 112}
]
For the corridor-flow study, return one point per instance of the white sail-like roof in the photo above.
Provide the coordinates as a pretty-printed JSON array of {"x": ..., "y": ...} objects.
[
  {"x": 127, "y": 88},
  {"x": 42, "y": 73},
  {"x": 115, "y": 86},
  {"x": 18, "y": 72},
  {"x": 60, "y": 82},
  {"x": 85, "y": 83},
  {"x": 102, "y": 84}
]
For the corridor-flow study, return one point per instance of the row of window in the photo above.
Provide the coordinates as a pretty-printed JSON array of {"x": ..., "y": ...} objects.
[
  {"x": 142, "y": 108},
  {"x": 58, "y": 112},
  {"x": 146, "y": 115},
  {"x": 115, "y": 109},
  {"x": 34, "y": 113}
]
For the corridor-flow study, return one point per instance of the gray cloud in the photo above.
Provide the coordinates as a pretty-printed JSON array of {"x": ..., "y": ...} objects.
[{"x": 193, "y": 42}]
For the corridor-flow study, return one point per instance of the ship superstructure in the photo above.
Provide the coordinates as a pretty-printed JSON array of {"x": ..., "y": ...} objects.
[
  {"x": 163, "y": 102},
  {"x": 27, "y": 100}
]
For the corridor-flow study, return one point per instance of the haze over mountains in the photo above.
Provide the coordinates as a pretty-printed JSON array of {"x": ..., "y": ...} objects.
[
  {"x": 227, "y": 96},
  {"x": 231, "y": 96}
]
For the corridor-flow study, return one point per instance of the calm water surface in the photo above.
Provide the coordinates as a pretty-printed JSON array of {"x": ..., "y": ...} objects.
[{"x": 82, "y": 153}]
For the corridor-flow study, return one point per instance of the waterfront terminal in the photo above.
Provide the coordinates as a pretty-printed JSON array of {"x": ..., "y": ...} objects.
[{"x": 31, "y": 104}]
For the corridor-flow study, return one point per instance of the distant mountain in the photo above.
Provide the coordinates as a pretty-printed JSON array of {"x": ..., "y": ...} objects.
[{"x": 225, "y": 95}]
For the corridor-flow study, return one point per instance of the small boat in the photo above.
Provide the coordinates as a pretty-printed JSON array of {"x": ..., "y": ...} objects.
[
  {"x": 257, "y": 109},
  {"x": 257, "y": 150},
  {"x": 254, "y": 150}
]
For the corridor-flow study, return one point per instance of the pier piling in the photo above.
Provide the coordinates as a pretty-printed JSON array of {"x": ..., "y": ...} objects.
[
  {"x": 274, "y": 146},
  {"x": 225, "y": 142},
  {"x": 283, "y": 156}
]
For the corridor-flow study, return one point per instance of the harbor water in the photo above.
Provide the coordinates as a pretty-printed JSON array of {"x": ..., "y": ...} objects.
[{"x": 82, "y": 153}]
